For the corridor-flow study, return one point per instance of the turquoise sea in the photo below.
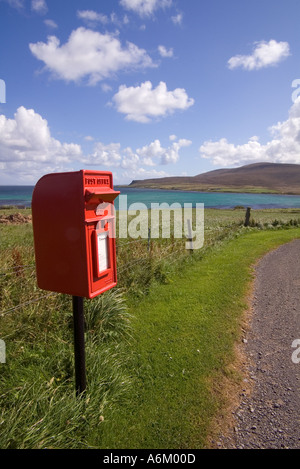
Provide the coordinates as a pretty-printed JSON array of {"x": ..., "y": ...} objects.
[{"x": 21, "y": 196}]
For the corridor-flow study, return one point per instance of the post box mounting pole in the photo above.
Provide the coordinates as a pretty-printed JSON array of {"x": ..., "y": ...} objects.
[{"x": 79, "y": 346}]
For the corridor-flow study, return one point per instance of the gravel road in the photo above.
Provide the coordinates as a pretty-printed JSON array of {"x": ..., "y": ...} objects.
[{"x": 268, "y": 417}]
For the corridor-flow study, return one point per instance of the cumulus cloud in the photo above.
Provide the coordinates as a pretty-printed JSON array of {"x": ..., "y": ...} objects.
[
  {"x": 149, "y": 155},
  {"x": 89, "y": 54},
  {"x": 50, "y": 24},
  {"x": 164, "y": 52},
  {"x": 142, "y": 173},
  {"x": 106, "y": 155},
  {"x": 145, "y": 7},
  {"x": 283, "y": 148},
  {"x": 26, "y": 142},
  {"x": 142, "y": 103},
  {"x": 92, "y": 16},
  {"x": 39, "y": 6},
  {"x": 18, "y": 4},
  {"x": 28, "y": 150},
  {"x": 264, "y": 54},
  {"x": 177, "y": 19}
]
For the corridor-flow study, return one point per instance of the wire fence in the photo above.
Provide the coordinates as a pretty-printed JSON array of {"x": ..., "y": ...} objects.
[
  {"x": 26, "y": 303},
  {"x": 132, "y": 256},
  {"x": 136, "y": 258},
  {"x": 16, "y": 269}
]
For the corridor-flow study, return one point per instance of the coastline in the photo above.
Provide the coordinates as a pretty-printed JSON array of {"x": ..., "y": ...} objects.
[
  {"x": 222, "y": 190},
  {"x": 19, "y": 197}
]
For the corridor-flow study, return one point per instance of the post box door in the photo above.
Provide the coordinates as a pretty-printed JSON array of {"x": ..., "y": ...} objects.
[{"x": 102, "y": 255}]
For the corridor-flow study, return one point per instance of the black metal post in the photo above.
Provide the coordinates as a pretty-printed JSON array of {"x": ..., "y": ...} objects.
[{"x": 79, "y": 346}]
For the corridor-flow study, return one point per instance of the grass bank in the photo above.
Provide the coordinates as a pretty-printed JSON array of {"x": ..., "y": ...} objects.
[{"x": 184, "y": 341}]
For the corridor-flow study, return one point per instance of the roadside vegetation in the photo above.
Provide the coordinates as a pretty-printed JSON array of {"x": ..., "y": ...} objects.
[{"x": 157, "y": 347}]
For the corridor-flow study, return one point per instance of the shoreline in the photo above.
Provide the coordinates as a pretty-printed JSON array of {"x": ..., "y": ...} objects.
[
  {"x": 212, "y": 199},
  {"x": 222, "y": 190},
  {"x": 15, "y": 206},
  {"x": 220, "y": 207}
]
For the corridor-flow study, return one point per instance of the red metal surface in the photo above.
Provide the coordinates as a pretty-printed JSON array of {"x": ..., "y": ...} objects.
[{"x": 69, "y": 212}]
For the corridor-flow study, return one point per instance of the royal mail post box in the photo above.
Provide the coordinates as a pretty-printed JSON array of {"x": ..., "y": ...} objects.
[{"x": 74, "y": 232}]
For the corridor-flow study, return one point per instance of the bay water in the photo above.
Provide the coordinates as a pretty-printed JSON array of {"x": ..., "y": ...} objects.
[{"x": 22, "y": 195}]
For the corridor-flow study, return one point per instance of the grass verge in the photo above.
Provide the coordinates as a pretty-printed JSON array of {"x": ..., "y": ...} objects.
[
  {"x": 153, "y": 371},
  {"x": 184, "y": 342}
]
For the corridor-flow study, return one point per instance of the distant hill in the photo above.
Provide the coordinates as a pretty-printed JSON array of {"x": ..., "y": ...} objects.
[{"x": 257, "y": 177}]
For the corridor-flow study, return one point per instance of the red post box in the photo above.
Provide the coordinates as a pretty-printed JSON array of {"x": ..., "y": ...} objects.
[{"x": 74, "y": 232}]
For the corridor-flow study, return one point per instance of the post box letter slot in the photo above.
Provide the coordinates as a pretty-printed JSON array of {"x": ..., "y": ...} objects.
[
  {"x": 101, "y": 242},
  {"x": 100, "y": 194}
]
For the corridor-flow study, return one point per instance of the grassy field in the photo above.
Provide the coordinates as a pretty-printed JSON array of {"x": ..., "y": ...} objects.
[{"x": 158, "y": 346}]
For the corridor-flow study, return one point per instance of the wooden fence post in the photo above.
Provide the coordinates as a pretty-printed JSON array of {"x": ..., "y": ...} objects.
[{"x": 247, "y": 217}]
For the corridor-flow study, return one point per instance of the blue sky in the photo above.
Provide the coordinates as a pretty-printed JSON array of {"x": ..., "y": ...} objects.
[{"x": 147, "y": 88}]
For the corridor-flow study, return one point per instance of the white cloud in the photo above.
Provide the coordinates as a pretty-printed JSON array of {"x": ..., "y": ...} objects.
[
  {"x": 28, "y": 137},
  {"x": 143, "y": 102},
  {"x": 19, "y": 4},
  {"x": 149, "y": 155},
  {"x": 265, "y": 54},
  {"x": 89, "y": 54},
  {"x": 177, "y": 19},
  {"x": 283, "y": 148},
  {"x": 92, "y": 16},
  {"x": 39, "y": 6},
  {"x": 50, "y": 24},
  {"x": 130, "y": 160},
  {"x": 119, "y": 22},
  {"x": 26, "y": 142},
  {"x": 145, "y": 7},
  {"x": 106, "y": 155},
  {"x": 106, "y": 88},
  {"x": 28, "y": 150},
  {"x": 142, "y": 173},
  {"x": 172, "y": 153},
  {"x": 164, "y": 52}
]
